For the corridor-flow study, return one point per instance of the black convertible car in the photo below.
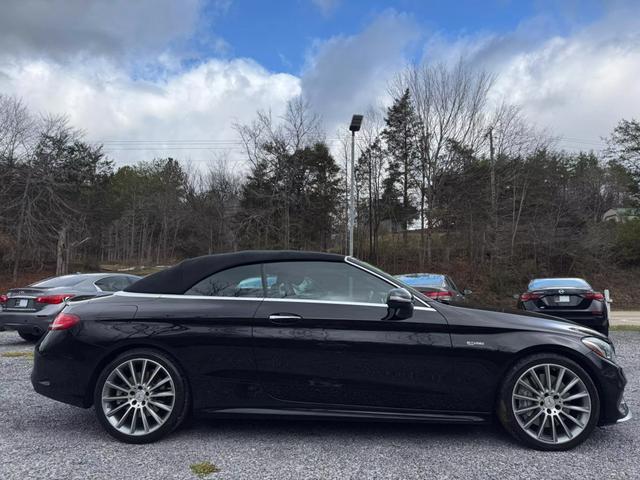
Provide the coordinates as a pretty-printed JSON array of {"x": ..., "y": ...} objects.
[{"x": 296, "y": 334}]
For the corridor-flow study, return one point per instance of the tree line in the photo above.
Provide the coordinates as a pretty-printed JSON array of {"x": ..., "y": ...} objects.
[{"x": 444, "y": 178}]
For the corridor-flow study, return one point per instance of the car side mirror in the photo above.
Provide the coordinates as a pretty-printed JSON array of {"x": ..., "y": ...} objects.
[
  {"x": 466, "y": 291},
  {"x": 515, "y": 296},
  {"x": 400, "y": 303}
]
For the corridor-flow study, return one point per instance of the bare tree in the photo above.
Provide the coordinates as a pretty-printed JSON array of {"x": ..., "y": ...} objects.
[{"x": 450, "y": 103}]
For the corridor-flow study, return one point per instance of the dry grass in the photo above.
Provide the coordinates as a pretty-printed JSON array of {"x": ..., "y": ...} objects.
[
  {"x": 17, "y": 354},
  {"x": 203, "y": 469}
]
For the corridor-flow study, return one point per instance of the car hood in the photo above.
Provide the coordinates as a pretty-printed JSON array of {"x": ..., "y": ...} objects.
[{"x": 512, "y": 319}]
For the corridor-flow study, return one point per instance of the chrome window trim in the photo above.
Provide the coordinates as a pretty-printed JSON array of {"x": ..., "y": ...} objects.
[
  {"x": 290, "y": 300},
  {"x": 348, "y": 260}
]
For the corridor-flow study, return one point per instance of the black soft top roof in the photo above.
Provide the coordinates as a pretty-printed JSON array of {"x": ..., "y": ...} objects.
[{"x": 181, "y": 277}]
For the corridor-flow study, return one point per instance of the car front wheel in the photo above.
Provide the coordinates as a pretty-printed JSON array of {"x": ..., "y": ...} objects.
[
  {"x": 141, "y": 396},
  {"x": 549, "y": 402}
]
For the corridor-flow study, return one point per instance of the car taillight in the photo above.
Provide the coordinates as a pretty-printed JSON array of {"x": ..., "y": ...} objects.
[
  {"x": 526, "y": 296},
  {"x": 53, "y": 299},
  {"x": 64, "y": 321},
  {"x": 4, "y": 299},
  {"x": 439, "y": 295},
  {"x": 593, "y": 296}
]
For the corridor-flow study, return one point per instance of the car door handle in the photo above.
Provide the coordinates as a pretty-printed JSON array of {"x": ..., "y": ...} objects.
[{"x": 284, "y": 319}]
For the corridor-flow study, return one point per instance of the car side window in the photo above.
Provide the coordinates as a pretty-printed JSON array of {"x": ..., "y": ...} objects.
[
  {"x": 242, "y": 281},
  {"x": 333, "y": 281},
  {"x": 108, "y": 284}
]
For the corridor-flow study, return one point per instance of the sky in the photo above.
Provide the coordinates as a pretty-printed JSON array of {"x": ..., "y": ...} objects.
[{"x": 156, "y": 78}]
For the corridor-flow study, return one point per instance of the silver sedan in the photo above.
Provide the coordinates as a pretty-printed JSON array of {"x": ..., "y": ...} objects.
[{"x": 29, "y": 310}]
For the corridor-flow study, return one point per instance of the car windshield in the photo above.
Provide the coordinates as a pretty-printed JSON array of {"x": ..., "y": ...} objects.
[
  {"x": 64, "y": 281},
  {"x": 390, "y": 278},
  {"x": 542, "y": 283},
  {"x": 422, "y": 279}
]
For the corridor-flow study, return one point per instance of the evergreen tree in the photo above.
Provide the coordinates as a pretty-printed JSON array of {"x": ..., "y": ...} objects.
[{"x": 400, "y": 135}]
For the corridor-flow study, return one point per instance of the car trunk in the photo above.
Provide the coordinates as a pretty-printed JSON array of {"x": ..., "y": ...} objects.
[
  {"x": 562, "y": 298},
  {"x": 24, "y": 299}
]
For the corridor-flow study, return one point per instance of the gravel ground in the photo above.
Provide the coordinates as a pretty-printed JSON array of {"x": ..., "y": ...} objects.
[{"x": 40, "y": 438}]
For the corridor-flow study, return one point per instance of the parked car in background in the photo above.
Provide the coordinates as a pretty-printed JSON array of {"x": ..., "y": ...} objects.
[
  {"x": 300, "y": 334},
  {"x": 437, "y": 286},
  {"x": 570, "y": 298},
  {"x": 29, "y": 310}
]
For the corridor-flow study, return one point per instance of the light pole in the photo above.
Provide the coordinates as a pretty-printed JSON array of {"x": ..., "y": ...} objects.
[{"x": 356, "y": 122}]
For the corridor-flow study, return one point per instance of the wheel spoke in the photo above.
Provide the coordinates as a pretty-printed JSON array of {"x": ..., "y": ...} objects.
[
  {"x": 124, "y": 417},
  {"x": 153, "y": 375},
  {"x": 133, "y": 372},
  {"x": 114, "y": 399},
  {"x": 529, "y": 387},
  {"x": 117, "y": 387},
  {"x": 154, "y": 415},
  {"x": 145, "y": 422},
  {"x": 532, "y": 419},
  {"x": 159, "y": 405},
  {"x": 123, "y": 378},
  {"x": 576, "y": 408},
  {"x": 162, "y": 394},
  {"x": 160, "y": 383},
  {"x": 544, "y": 422},
  {"x": 554, "y": 436},
  {"x": 574, "y": 420},
  {"x": 527, "y": 409},
  {"x": 524, "y": 397},
  {"x": 564, "y": 426},
  {"x": 144, "y": 370},
  {"x": 537, "y": 379},
  {"x": 559, "y": 379},
  {"x": 134, "y": 417},
  {"x": 112, "y": 412},
  {"x": 576, "y": 396},
  {"x": 547, "y": 373},
  {"x": 569, "y": 386}
]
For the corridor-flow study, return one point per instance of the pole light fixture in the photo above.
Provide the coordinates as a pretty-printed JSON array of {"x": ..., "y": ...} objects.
[{"x": 356, "y": 123}]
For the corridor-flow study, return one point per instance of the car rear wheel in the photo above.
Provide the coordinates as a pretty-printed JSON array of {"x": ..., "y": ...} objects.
[
  {"x": 549, "y": 402},
  {"x": 141, "y": 396},
  {"x": 29, "y": 337}
]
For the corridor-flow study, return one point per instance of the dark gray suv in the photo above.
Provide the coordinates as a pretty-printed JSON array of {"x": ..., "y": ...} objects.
[{"x": 30, "y": 310}]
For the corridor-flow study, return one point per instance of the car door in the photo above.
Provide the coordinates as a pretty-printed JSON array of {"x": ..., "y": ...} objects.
[
  {"x": 209, "y": 329},
  {"x": 320, "y": 337}
]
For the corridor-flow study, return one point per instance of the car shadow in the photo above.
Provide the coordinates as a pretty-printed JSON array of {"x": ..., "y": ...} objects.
[{"x": 305, "y": 429}]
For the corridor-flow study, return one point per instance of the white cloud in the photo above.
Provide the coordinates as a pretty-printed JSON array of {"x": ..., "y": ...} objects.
[
  {"x": 199, "y": 104},
  {"x": 577, "y": 85},
  {"x": 345, "y": 75}
]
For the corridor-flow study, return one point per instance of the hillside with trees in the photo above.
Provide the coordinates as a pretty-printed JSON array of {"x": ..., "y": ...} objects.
[{"x": 446, "y": 181}]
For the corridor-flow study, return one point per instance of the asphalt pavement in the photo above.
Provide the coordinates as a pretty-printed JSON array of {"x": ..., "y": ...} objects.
[{"x": 44, "y": 439}]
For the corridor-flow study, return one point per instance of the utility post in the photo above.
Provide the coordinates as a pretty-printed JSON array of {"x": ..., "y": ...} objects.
[{"x": 356, "y": 123}]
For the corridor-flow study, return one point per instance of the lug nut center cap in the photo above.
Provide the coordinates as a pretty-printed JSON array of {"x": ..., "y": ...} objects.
[
  {"x": 549, "y": 402},
  {"x": 139, "y": 396}
]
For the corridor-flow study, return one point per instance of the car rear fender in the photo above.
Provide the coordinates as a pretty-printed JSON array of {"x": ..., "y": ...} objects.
[{"x": 112, "y": 354}]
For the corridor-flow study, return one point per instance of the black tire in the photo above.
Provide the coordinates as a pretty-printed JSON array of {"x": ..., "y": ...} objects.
[
  {"x": 508, "y": 418},
  {"x": 30, "y": 337},
  {"x": 181, "y": 399}
]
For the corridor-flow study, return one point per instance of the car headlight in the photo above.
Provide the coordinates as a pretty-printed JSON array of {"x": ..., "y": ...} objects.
[{"x": 600, "y": 347}]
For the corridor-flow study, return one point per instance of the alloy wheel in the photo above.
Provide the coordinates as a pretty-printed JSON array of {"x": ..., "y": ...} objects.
[
  {"x": 551, "y": 403},
  {"x": 138, "y": 396}
]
